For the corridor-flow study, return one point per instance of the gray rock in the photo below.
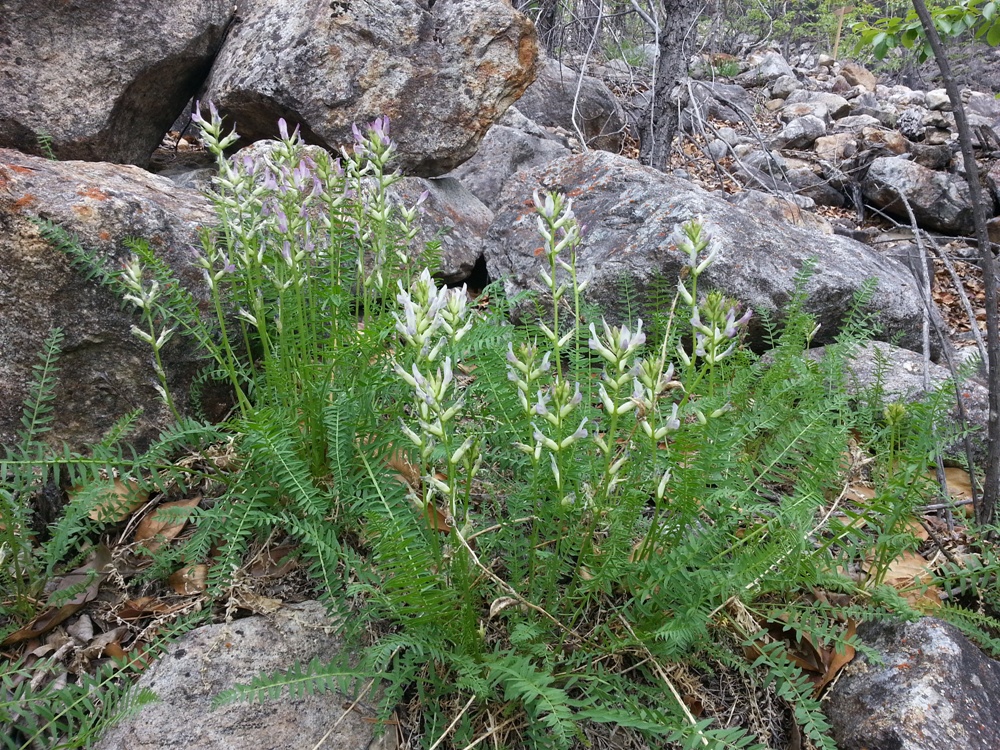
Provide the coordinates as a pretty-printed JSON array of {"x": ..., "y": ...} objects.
[
  {"x": 900, "y": 372},
  {"x": 933, "y": 157},
  {"x": 939, "y": 200},
  {"x": 938, "y": 100},
  {"x": 102, "y": 81},
  {"x": 911, "y": 123},
  {"x": 210, "y": 659},
  {"x": 935, "y": 690},
  {"x": 770, "y": 67},
  {"x": 630, "y": 213},
  {"x": 800, "y": 133},
  {"x": 452, "y": 215},
  {"x": 815, "y": 109},
  {"x": 868, "y": 104},
  {"x": 722, "y": 101},
  {"x": 106, "y": 371},
  {"x": 717, "y": 149},
  {"x": 781, "y": 208},
  {"x": 809, "y": 179},
  {"x": 550, "y": 101},
  {"x": 443, "y": 76},
  {"x": 505, "y": 150},
  {"x": 784, "y": 85},
  {"x": 836, "y": 105},
  {"x": 856, "y": 122}
]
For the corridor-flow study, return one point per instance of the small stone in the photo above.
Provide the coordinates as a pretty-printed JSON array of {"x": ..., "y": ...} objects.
[
  {"x": 938, "y": 100},
  {"x": 858, "y": 75}
]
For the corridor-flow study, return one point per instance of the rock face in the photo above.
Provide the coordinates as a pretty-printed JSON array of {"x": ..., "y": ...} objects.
[
  {"x": 443, "y": 76},
  {"x": 630, "y": 213},
  {"x": 935, "y": 690},
  {"x": 550, "y": 101},
  {"x": 106, "y": 371},
  {"x": 451, "y": 215},
  {"x": 939, "y": 200},
  {"x": 103, "y": 81},
  {"x": 206, "y": 661},
  {"x": 513, "y": 144}
]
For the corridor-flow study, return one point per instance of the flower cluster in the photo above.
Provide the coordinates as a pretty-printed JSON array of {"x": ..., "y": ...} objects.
[
  {"x": 429, "y": 319},
  {"x": 144, "y": 296},
  {"x": 716, "y": 328}
]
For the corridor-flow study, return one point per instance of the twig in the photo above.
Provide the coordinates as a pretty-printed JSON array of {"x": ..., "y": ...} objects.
[
  {"x": 513, "y": 592},
  {"x": 348, "y": 710},
  {"x": 662, "y": 674},
  {"x": 453, "y": 723},
  {"x": 490, "y": 733},
  {"x": 924, "y": 277}
]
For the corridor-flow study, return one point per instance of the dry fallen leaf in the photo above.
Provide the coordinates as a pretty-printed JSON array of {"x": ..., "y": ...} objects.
[
  {"x": 275, "y": 562},
  {"x": 92, "y": 573},
  {"x": 189, "y": 580},
  {"x": 909, "y": 574},
  {"x": 499, "y": 605},
  {"x": 118, "y": 502},
  {"x": 156, "y": 530}
]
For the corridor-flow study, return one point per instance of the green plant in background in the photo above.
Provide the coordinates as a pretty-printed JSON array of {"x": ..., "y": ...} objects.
[{"x": 981, "y": 17}]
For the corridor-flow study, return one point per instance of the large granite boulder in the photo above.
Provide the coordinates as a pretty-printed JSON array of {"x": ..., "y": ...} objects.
[
  {"x": 513, "y": 144},
  {"x": 554, "y": 100},
  {"x": 201, "y": 664},
  {"x": 105, "y": 371},
  {"x": 630, "y": 214},
  {"x": 939, "y": 200},
  {"x": 102, "y": 81},
  {"x": 934, "y": 690},
  {"x": 442, "y": 73},
  {"x": 451, "y": 215}
]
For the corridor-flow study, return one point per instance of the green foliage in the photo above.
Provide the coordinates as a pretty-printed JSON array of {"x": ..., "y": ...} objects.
[
  {"x": 978, "y": 16},
  {"x": 64, "y": 716},
  {"x": 533, "y": 522}
]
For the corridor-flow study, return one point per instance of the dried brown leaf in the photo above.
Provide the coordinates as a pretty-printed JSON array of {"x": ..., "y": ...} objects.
[{"x": 155, "y": 530}]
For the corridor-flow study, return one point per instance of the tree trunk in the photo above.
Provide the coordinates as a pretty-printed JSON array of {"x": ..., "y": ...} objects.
[
  {"x": 546, "y": 23},
  {"x": 677, "y": 36},
  {"x": 987, "y": 505}
]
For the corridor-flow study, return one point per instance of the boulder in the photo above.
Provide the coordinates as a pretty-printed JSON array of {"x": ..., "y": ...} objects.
[
  {"x": 835, "y": 148},
  {"x": 804, "y": 109},
  {"x": 784, "y": 85},
  {"x": 767, "y": 68},
  {"x": 204, "y": 662},
  {"x": 102, "y": 82},
  {"x": 934, "y": 690},
  {"x": 858, "y": 75},
  {"x": 800, "y": 133},
  {"x": 631, "y": 213},
  {"x": 105, "y": 371},
  {"x": 451, "y": 215},
  {"x": 835, "y": 104},
  {"x": 757, "y": 202},
  {"x": 938, "y": 100},
  {"x": 899, "y": 372},
  {"x": 722, "y": 101},
  {"x": 939, "y": 200},
  {"x": 810, "y": 179},
  {"x": 552, "y": 99},
  {"x": 442, "y": 75},
  {"x": 513, "y": 144}
]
